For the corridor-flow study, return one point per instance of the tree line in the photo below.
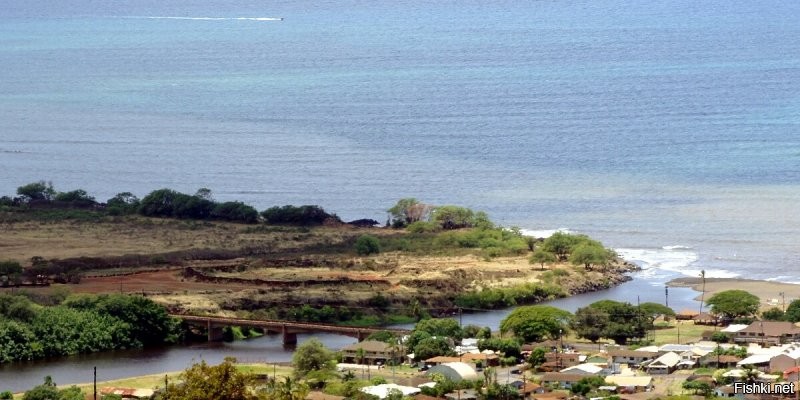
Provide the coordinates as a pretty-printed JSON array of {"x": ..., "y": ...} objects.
[
  {"x": 167, "y": 203},
  {"x": 81, "y": 324}
]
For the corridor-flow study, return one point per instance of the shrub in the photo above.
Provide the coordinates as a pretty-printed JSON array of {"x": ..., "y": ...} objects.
[
  {"x": 292, "y": 215},
  {"x": 367, "y": 244}
]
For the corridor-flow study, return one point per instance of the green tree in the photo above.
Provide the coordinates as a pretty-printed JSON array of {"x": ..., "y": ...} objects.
[
  {"x": 432, "y": 347},
  {"x": 77, "y": 197},
  {"x": 590, "y": 323},
  {"x": 310, "y": 356},
  {"x": 122, "y": 203},
  {"x": 732, "y": 304},
  {"x": 560, "y": 244},
  {"x": 453, "y": 217},
  {"x": 203, "y": 381},
  {"x": 773, "y": 314},
  {"x": 793, "y": 311},
  {"x": 655, "y": 309},
  {"x": 447, "y": 327},
  {"x": 625, "y": 321},
  {"x": 409, "y": 210},
  {"x": 383, "y": 336},
  {"x": 367, "y": 244},
  {"x": 149, "y": 323},
  {"x": 6, "y": 395},
  {"x": 537, "y": 357},
  {"x": 235, "y": 211},
  {"x": 533, "y": 323},
  {"x": 542, "y": 257},
  {"x": 37, "y": 191},
  {"x": 509, "y": 347},
  {"x": 589, "y": 254},
  {"x": 698, "y": 387}
]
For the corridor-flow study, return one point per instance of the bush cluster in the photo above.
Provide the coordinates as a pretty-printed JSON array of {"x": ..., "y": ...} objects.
[{"x": 81, "y": 324}]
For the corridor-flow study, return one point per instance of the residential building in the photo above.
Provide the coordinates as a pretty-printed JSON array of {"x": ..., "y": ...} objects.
[
  {"x": 665, "y": 364},
  {"x": 369, "y": 352},
  {"x": 633, "y": 358},
  {"x": 631, "y": 384},
  {"x": 561, "y": 379},
  {"x": 768, "y": 333}
]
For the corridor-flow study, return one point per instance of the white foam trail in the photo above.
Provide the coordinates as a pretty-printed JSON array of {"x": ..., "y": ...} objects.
[
  {"x": 543, "y": 233},
  {"x": 213, "y": 18},
  {"x": 676, "y": 247}
]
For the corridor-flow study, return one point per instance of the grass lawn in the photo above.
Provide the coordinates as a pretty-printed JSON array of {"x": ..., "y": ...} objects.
[{"x": 681, "y": 332}]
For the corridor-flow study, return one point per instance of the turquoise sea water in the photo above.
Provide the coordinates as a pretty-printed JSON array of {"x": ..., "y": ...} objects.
[{"x": 669, "y": 130}]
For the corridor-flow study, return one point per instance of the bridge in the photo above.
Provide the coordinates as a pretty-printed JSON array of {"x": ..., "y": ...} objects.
[{"x": 289, "y": 329}]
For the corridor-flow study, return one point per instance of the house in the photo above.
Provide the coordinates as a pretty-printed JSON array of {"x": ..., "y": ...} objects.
[
  {"x": 633, "y": 358},
  {"x": 705, "y": 318},
  {"x": 561, "y": 379},
  {"x": 383, "y": 391},
  {"x": 686, "y": 315},
  {"x": 665, "y": 364},
  {"x": 586, "y": 369},
  {"x": 438, "y": 360},
  {"x": 517, "y": 383},
  {"x": 719, "y": 361},
  {"x": 759, "y": 361},
  {"x": 768, "y": 333},
  {"x": 368, "y": 352},
  {"x": 727, "y": 392},
  {"x": 557, "y": 361},
  {"x": 531, "y": 388},
  {"x": 787, "y": 359},
  {"x": 631, "y": 384}
]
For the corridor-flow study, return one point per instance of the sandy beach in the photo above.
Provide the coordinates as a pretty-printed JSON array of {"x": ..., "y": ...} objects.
[{"x": 768, "y": 291}]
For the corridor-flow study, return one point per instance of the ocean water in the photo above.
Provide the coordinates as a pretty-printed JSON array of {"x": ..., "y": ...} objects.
[{"x": 668, "y": 130}]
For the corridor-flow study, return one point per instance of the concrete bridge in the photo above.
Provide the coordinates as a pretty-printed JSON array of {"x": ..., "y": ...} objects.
[{"x": 289, "y": 329}]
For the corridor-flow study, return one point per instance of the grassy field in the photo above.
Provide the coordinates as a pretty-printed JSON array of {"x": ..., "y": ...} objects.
[{"x": 681, "y": 332}]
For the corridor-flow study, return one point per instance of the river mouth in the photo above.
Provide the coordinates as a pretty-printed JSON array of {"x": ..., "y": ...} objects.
[{"x": 22, "y": 376}]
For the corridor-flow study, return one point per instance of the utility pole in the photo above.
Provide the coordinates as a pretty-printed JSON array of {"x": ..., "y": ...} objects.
[
  {"x": 783, "y": 300},
  {"x": 666, "y": 296},
  {"x": 460, "y": 317},
  {"x": 703, "y": 294},
  {"x": 95, "y": 383}
]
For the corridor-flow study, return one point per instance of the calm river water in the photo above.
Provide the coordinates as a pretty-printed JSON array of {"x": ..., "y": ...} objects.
[{"x": 119, "y": 364}]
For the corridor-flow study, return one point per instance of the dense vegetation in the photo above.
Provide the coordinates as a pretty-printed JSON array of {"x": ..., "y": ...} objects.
[{"x": 80, "y": 324}]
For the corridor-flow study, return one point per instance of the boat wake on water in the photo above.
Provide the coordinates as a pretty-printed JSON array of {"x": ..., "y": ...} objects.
[{"x": 210, "y": 18}]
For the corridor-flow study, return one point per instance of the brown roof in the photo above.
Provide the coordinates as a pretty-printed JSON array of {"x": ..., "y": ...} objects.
[
  {"x": 688, "y": 312},
  {"x": 561, "y": 377},
  {"x": 442, "y": 359},
  {"x": 369, "y": 345},
  {"x": 530, "y": 387},
  {"x": 771, "y": 328}
]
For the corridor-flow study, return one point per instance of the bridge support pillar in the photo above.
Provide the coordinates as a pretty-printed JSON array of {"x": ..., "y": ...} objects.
[
  {"x": 289, "y": 338},
  {"x": 215, "y": 333},
  {"x": 362, "y": 335}
]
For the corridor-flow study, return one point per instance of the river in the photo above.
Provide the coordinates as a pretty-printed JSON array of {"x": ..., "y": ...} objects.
[{"x": 119, "y": 364}]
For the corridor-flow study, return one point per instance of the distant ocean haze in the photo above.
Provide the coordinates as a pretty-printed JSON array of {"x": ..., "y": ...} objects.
[{"x": 646, "y": 125}]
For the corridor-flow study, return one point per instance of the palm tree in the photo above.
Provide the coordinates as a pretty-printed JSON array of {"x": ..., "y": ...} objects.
[{"x": 750, "y": 373}]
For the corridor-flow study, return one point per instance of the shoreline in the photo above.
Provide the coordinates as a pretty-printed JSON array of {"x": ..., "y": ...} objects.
[{"x": 768, "y": 291}]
